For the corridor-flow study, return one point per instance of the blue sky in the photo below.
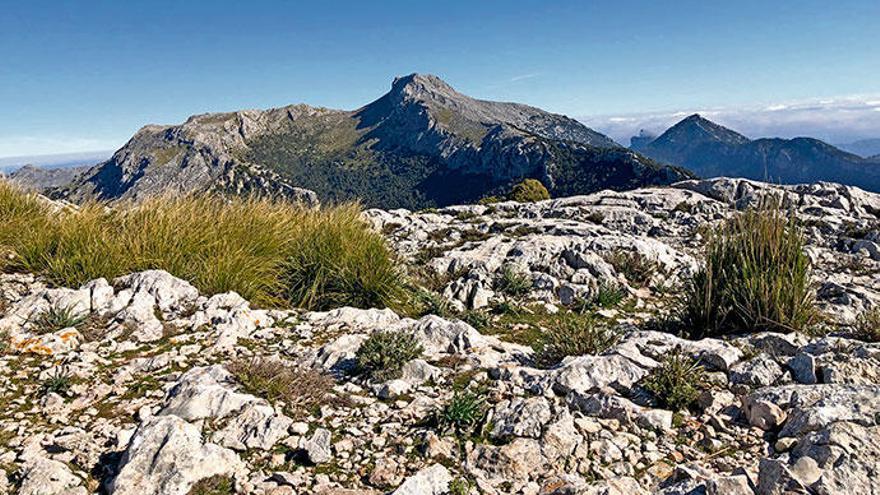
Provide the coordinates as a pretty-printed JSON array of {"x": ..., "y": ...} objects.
[{"x": 84, "y": 75}]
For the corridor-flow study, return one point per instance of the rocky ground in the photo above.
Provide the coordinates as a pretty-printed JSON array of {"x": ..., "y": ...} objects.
[{"x": 144, "y": 392}]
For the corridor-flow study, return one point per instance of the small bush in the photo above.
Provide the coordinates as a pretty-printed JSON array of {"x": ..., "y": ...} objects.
[
  {"x": 755, "y": 277},
  {"x": 215, "y": 485},
  {"x": 513, "y": 282},
  {"x": 301, "y": 389},
  {"x": 459, "y": 486},
  {"x": 488, "y": 200},
  {"x": 867, "y": 326},
  {"x": 529, "y": 191},
  {"x": 57, "y": 318},
  {"x": 572, "y": 335},
  {"x": 637, "y": 268},
  {"x": 463, "y": 413},
  {"x": 273, "y": 253},
  {"x": 677, "y": 382},
  {"x": 383, "y": 354}
]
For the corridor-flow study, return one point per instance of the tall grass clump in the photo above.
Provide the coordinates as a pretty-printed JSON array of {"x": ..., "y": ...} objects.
[
  {"x": 271, "y": 252},
  {"x": 755, "y": 277}
]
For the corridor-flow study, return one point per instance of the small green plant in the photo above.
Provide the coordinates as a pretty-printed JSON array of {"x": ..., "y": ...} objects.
[
  {"x": 513, "y": 282},
  {"x": 476, "y": 318},
  {"x": 301, "y": 389},
  {"x": 572, "y": 334},
  {"x": 215, "y": 485},
  {"x": 867, "y": 325},
  {"x": 488, "y": 200},
  {"x": 430, "y": 303},
  {"x": 636, "y": 267},
  {"x": 463, "y": 413},
  {"x": 755, "y": 277},
  {"x": 383, "y": 354},
  {"x": 59, "y": 382},
  {"x": 608, "y": 295},
  {"x": 58, "y": 317},
  {"x": 459, "y": 486},
  {"x": 529, "y": 191},
  {"x": 677, "y": 382}
]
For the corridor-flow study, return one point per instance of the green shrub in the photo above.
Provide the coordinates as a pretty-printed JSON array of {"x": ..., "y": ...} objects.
[
  {"x": 755, "y": 277},
  {"x": 488, "y": 200},
  {"x": 637, "y": 268},
  {"x": 215, "y": 485},
  {"x": 463, "y": 413},
  {"x": 271, "y": 252},
  {"x": 301, "y": 389},
  {"x": 383, "y": 354},
  {"x": 529, "y": 191},
  {"x": 867, "y": 326},
  {"x": 677, "y": 382},
  {"x": 513, "y": 282},
  {"x": 57, "y": 318},
  {"x": 572, "y": 334},
  {"x": 459, "y": 486}
]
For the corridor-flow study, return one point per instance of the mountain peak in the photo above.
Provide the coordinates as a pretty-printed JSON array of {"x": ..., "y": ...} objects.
[
  {"x": 696, "y": 128},
  {"x": 416, "y": 83}
]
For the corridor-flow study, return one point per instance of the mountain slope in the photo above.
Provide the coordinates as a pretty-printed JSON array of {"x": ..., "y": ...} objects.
[
  {"x": 421, "y": 144},
  {"x": 42, "y": 179},
  {"x": 863, "y": 147},
  {"x": 711, "y": 150}
]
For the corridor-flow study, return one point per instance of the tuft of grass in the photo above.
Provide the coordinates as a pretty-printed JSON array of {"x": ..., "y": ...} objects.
[
  {"x": 340, "y": 262},
  {"x": 867, "y": 326},
  {"x": 608, "y": 295},
  {"x": 459, "y": 486},
  {"x": 214, "y": 485},
  {"x": 271, "y": 252},
  {"x": 572, "y": 334},
  {"x": 636, "y": 267},
  {"x": 513, "y": 282},
  {"x": 301, "y": 389},
  {"x": 430, "y": 303},
  {"x": 677, "y": 382},
  {"x": 529, "y": 191},
  {"x": 463, "y": 413},
  {"x": 57, "y": 318},
  {"x": 59, "y": 382},
  {"x": 383, "y": 354},
  {"x": 755, "y": 277},
  {"x": 476, "y": 318}
]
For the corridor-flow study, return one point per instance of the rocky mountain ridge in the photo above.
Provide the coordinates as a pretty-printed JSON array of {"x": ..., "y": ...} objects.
[
  {"x": 712, "y": 150},
  {"x": 422, "y": 144},
  {"x": 154, "y": 404}
]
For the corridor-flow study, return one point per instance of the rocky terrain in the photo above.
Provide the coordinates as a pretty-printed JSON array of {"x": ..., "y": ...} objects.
[
  {"x": 711, "y": 150},
  {"x": 44, "y": 180},
  {"x": 151, "y": 390},
  {"x": 422, "y": 144}
]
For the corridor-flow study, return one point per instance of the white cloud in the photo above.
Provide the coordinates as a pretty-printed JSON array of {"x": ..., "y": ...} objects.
[
  {"x": 836, "y": 120},
  {"x": 523, "y": 77}
]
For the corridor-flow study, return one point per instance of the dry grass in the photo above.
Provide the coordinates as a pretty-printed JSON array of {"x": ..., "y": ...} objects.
[
  {"x": 271, "y": 252},
  {"x": 867, "y": 326},
  {"x": 572, "y": 334},
  {"x": 302, "y": 390}
]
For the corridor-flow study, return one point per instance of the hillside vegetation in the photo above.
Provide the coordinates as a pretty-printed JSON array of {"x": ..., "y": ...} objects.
[{"x": 271, "y": 252}]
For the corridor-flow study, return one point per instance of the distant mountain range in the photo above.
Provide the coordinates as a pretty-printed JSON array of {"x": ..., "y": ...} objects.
[
  {"x": 862, "y": 147},
  {"x": 421, "y": 144},
  {"x": 711, "y": 150},
  {"x": 64, "y": 160}
]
